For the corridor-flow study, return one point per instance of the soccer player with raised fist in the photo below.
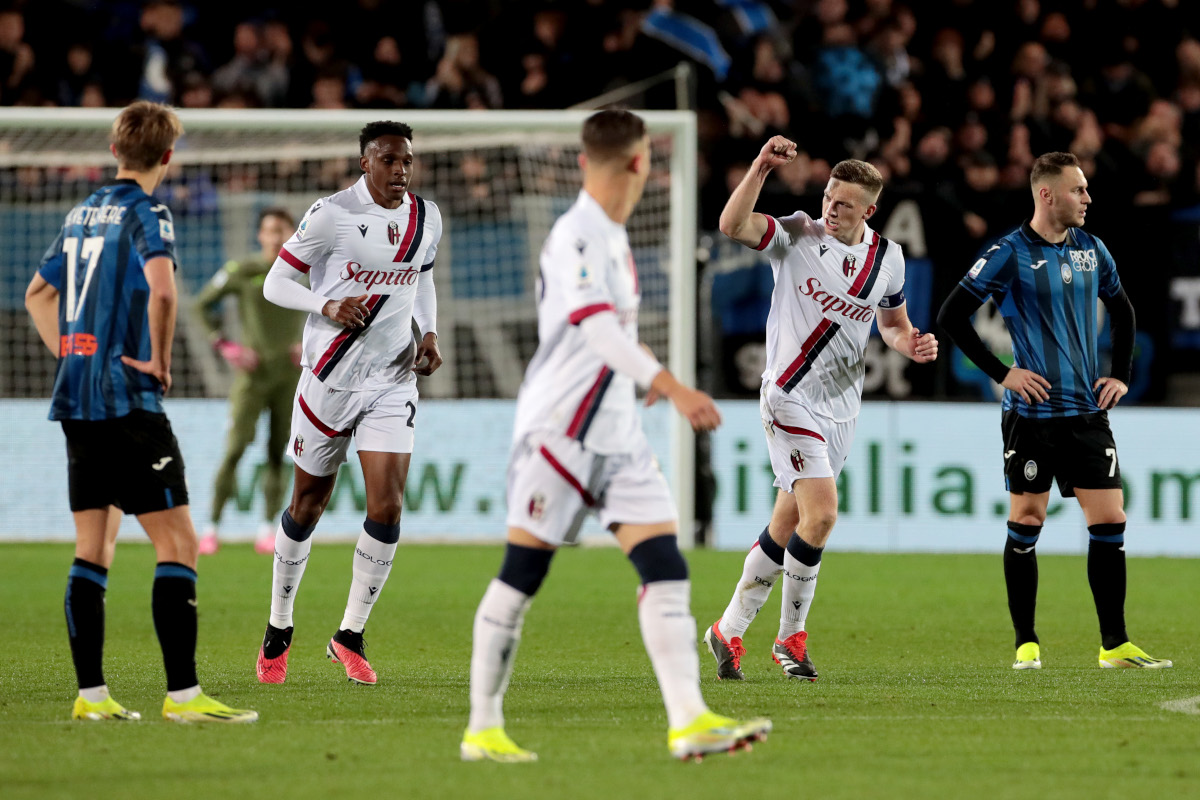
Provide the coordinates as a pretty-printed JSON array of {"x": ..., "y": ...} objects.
[
  {"x": 368, "y": 252},
  {"x": 834, "y": 276},
  {"x": 1046, "y": 278}
]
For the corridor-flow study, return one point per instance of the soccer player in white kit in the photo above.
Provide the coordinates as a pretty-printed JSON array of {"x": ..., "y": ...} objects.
[
  {"x": 833, "y": 277},
  {"x": 368, "y": 252},
  {"x": 578, "y": 448}
]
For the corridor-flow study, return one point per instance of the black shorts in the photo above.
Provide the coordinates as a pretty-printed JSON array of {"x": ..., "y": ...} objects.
[
  {"x": 132, "y": 462},
  {"x": 1079, "y": 451}
]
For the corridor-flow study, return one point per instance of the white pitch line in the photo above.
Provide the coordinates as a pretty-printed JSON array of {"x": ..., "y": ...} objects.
[{"x": 1188, "y": 705}]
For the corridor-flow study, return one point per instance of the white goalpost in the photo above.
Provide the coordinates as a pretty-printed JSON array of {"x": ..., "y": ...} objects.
[{"x": 500, "y": 178}]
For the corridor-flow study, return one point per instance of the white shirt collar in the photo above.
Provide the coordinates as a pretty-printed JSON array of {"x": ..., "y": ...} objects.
[
  {"x": 591, "y": 206},
  {"x": 364, "y": 194}
]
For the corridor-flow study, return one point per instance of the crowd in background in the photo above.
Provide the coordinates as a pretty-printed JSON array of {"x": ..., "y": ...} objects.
[{"x": 955, "y": 96}]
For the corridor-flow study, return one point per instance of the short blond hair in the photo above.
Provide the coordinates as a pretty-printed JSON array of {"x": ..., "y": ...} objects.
[
  {"x": 142, "y": 134},
  {"x": 860, "y": 173}
]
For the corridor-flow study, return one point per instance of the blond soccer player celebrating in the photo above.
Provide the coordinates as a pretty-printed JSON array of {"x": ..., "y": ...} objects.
[
  {"x": 834, "y": 276},
  {"x": 579, "y": 448}
]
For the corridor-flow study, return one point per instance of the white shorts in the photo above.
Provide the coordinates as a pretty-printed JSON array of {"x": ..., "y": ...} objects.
[
  {"x": 381, "y": 419},
  {"x": 802, "y": 444},
  {"x": 554, "y": 483}
]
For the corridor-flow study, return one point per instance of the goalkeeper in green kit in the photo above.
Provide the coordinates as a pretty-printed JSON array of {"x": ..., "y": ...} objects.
[{"x": 267, "y": 362}]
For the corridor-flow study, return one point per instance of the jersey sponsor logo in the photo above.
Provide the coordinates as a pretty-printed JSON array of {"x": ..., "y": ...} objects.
[
  {"x": 1083, "y": 260},
  {"x": 1066, "y": 273},
  {"x": 363, "y": 230},
  {"x": 369, "y": 278},
  {"x": 77, "y": 344},
  {"x": 394, "y": 234},
  {"x": 849, "y": 264},
  {"x": 832, "y": 304},
  {"x": 797, "y": 461},
  {"x": 166, "y": 230},
  {"x": 1038, "y": 265},
  {"x": 1030, "y": 470}
]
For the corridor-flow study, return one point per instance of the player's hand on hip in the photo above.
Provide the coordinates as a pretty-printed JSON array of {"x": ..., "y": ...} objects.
[
  {"x": 155, "y": 369},
  {"x": 429, "y": 357},
  {"x": 924, "y": 346},
  {"x": 1111, "y": 393},
  {"x": 698, "y": 408},
  {"x": 1032, "y": 387},
  {"x": 779, "y": 150},
  {"x": 349, "y": 311}
]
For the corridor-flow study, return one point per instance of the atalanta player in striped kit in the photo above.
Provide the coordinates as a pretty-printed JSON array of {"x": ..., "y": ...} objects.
[
  {"x": 104, "y": 302},
  {"x": 1046, "y": 278},
  {"x": 368, "y": 252},
  {"x": 578, "y": 448},
  {"x": 834, "y": 276}
]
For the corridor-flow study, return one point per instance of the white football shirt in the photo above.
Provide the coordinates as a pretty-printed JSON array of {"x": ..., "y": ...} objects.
[
  {"x": 822, "y": 308},
  {"x": 586, "y": 267},
  {"x": 350, "y": 246}
]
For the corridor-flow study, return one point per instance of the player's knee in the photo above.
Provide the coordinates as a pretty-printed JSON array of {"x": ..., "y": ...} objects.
[
  {"x": 659, "y": 559},
  {"x": 306, "y": 510},
  {"x": 525, "y": 568},
  {"x": 1023, "y": 536},
  {"x": 386, "y": 511},
  {"x": 1031, "y": 518},
  {"x": 818, "y": 526}
]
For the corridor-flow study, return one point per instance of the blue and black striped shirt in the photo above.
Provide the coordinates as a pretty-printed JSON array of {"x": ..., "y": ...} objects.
[
  {"x": 96, "y": 265},
  {"x": 1047, "y": 294}
]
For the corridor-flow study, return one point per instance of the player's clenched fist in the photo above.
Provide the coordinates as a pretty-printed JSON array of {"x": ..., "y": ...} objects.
[
  {"x": 777, "y": 152},
  {"x": 924, "y": 347},
  {"x": 349, "y": 311}
]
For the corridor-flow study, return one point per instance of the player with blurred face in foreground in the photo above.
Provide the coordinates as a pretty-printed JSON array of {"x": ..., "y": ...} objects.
[
  {"x": 1046, "y": 277},
  {"x": 579, "y": 448},
  {"x": 834, "y": 276}
]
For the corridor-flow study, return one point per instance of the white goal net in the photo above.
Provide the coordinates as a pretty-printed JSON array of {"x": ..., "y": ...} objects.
[{"x": 500, "y": 179}]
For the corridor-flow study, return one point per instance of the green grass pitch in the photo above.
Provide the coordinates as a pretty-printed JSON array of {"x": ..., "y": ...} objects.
[{"x": 916, "y": 696}]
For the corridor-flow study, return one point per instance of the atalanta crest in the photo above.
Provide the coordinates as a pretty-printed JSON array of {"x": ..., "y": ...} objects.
[
  {"x": 394, "y": 232},
  {"x": 1030, "y": 470},
  {"x": 797, "y": 461},
  {"x": 298, "y": 445},
  {"x": 537, "y": 505}
]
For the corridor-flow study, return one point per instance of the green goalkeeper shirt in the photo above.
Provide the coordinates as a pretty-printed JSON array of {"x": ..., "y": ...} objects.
[{"x": 267, "y": 328}]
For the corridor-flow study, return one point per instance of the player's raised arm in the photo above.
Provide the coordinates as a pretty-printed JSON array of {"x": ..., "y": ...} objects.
[{"x": 739, "y": 221}]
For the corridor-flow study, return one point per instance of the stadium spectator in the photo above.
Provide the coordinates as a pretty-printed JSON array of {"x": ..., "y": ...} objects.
[
  {"x": 460, "y": 82},
  {"x": 168, "y": 56},
  {"x": 16, "y": 58},
  {"x": 254, "y": 69}
]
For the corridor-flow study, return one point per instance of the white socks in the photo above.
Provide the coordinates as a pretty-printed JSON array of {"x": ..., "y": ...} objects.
[
  {"x": 799, "y": 586},
  {"x": 495, "y": 637},
  {"x": 290, "y": 559},
  {"x": 372, "y": 564},
  {"x": 759, "y": 574},
  {"x": 669, "y": 633}
]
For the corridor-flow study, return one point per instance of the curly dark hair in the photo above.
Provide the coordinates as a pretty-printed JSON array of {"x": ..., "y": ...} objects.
[{"x": 373, "y": 130}]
